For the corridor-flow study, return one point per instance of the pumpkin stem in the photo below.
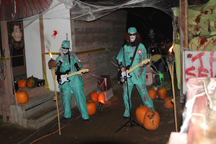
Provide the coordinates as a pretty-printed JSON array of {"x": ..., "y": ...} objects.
[
  {"x": 89, "y": 100},
  {"x": 151, "y": 109}
]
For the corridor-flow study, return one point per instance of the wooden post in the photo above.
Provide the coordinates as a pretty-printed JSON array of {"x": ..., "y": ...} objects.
[
  {"x": 8, "y": 81},
  {"x": 56, "y": 99},
  {"x": 184, "y": 39},
  {"x": 171, "y": 70}
]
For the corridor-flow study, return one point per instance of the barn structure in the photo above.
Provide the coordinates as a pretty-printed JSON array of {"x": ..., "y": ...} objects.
[{"x": 95, "y": 30}]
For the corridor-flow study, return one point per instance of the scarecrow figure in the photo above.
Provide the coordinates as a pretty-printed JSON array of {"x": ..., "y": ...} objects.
[
  {"x": 132, "y": 54},
  {"x": 67, "y": 62}
]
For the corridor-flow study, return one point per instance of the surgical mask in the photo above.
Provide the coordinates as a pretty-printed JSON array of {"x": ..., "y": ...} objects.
[
  {"x": 132, "y": 37},
  {"x": 65, "y": 50}
]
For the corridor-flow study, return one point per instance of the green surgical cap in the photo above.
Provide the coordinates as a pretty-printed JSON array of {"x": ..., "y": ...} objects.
[
  {"x": 132, "y": 30},
  {"x": 65, "y": 44}
]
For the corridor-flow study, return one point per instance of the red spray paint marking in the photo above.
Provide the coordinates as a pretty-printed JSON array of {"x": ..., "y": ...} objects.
[
  {"x": 211, "y": 9},
  {"x": 201, "y": 68},
  {"x": 199, "y": 56},
  {"x": 187, "y": 71},
  {"x": 197, "y": 20},
  {"x": 205, "y": 46},
  {"x": 189, "y": 55},
  {"x": 211, "y": 62},
  {"x": 213, "y": 41},
  {"x": 197, "y": 28},
  {"x": 204, "y": 12},
  {"x": 203, "y": 40},
  {"x": 54, "y": 34}
]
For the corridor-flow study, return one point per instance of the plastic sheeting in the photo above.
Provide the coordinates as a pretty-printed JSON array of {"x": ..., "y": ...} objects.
[{"x": 89, "y": 10}]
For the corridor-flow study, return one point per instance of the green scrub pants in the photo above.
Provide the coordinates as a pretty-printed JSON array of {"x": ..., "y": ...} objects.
[
  {"x": 147, "y": 101},
  {"x": 66, "y": 95}
]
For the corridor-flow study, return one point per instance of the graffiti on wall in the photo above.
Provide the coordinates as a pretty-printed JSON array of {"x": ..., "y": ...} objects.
[{"x": 198, "y": 64}]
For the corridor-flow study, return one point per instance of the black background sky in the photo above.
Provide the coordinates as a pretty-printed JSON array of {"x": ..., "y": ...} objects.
[{"x": 148, "y": 18}]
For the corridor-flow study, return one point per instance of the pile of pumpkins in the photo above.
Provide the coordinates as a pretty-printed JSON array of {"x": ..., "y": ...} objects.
[
  {"x": 162, "y": 94},
  {"x": 148, "y": 117},
  {"x": 95, "y": 98},
  {"x": 31, "y": 82},
  {"x": 22, "y": 96}
]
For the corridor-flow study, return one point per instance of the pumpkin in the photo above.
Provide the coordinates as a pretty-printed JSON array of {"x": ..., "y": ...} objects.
[
  {"x": 140, "y": 113},
  {"x": 22, "y": 97},
  {"x": 93, "y": 96},
  {"x": 91, "y": 107},
  {"x": 152, "y": 93},
  {"x": 168, "y": 102},
  {"x": 162, "y": 92},
  {"x": 151, "y": 120},
  {"x": 101, "y": 97},
  {"x": 31, "y": 82},
  {"x": 21, "y": 83}
]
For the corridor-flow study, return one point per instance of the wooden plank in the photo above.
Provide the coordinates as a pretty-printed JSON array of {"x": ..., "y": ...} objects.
[
  {"x": 34, "y": 91},
  {"x": 8, "y": 81},
  {"x": 40, "y": 114},
  {"x": 184, "y": 41},
  {"x": 73, "y": 34},
  {"x": 43, "y": 116},
  {"x": 90, "y": 35},
  {"x": 40, "y": 107},
  {"x": 42, "y": 39},
  {"x": 46, "y": 121},
  {"x": 46, "y": 116},
  {"x": 17, "y": 116},
  {"x": 34, "y": 101}
]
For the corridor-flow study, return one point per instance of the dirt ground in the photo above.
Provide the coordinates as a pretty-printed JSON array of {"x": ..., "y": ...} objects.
[{"x": 102, "y": 127}]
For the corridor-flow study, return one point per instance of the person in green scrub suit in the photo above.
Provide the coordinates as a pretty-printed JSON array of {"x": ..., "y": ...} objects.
[
  {"x": 66, "y": 63},
  {"x": 132, "y": 45}
]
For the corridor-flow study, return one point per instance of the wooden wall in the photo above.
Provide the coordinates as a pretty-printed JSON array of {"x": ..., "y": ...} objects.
[
  {"x": 7, "y": 96},
  {"x": 106, "y": 32}
]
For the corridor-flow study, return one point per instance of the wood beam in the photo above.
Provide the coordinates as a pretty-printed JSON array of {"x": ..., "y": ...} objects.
[
  {"x": 8, "y": 81},
  {"x": 184, "y": 39}
]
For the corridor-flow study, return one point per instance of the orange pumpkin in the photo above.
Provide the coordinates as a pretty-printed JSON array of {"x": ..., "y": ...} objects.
[
  {"x": 93, "y": 96},
  {"x": 31, "y": 82},
  {"x": 152, "y": 93},
  {"x": 101, "y": 97},
  {"x": 91, "y": 107},
  {"x": 21, "y": 83},
  {"x": 162, "y": 92},
  {"x": 22, "y": 97},
  {"x": 168, "y": 102},
  {"x": 140, "y": 113},
  {"x": 151, "y": 120}
]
